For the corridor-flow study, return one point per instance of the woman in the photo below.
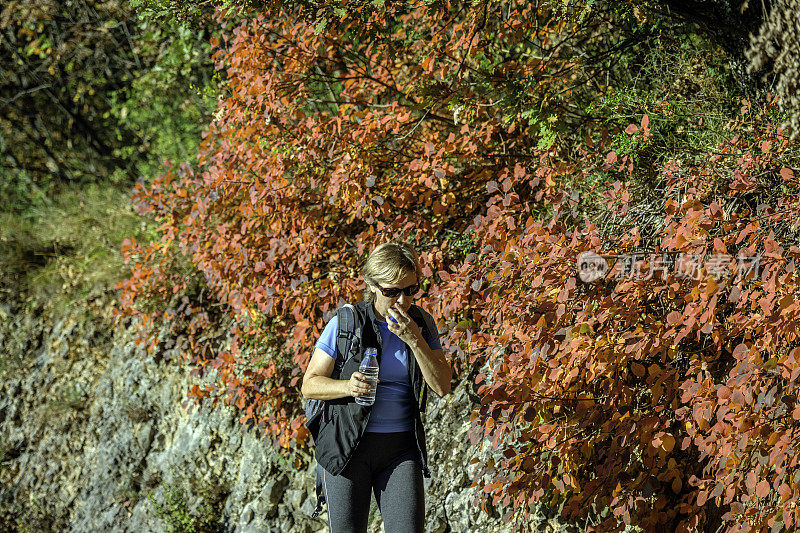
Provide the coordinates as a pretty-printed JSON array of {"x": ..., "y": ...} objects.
[{"x": 380, "y": 448}]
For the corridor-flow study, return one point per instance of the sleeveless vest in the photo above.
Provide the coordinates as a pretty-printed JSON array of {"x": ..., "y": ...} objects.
[{"x": 344, "y": 421}]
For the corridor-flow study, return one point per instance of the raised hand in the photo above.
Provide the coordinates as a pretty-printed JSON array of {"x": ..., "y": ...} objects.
[{"x": 402, "y": 325}]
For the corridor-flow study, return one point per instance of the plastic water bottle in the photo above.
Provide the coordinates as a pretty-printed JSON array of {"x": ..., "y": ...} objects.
[{"x": 369, "y": 367}]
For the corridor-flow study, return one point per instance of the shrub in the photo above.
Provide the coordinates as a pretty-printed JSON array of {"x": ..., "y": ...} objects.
[{"x": 650, "y": 398}]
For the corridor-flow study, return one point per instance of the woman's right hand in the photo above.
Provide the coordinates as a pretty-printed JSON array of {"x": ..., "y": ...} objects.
[{"x": 357, "y": 385}]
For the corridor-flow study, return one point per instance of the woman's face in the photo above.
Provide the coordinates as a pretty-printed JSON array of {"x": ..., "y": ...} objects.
[{"x": 382, "y": 303}]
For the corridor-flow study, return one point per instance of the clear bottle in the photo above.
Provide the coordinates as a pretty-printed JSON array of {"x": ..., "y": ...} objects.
[{"x": 369, "y": 367}]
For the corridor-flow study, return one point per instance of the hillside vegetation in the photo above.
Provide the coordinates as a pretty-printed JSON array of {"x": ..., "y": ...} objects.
[{"x": 505, "y": 140}]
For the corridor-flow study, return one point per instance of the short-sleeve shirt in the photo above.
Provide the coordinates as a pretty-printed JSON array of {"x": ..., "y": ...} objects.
[{"x": 394, "y": 399}]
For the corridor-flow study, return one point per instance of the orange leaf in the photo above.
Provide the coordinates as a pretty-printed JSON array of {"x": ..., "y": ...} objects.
[
  {"x": 762, "y": 489},
  {"x": 750, "y": 481}
]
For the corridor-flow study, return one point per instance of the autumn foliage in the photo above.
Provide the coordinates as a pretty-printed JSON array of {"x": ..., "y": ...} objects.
[{"x": 662, "y": 395}]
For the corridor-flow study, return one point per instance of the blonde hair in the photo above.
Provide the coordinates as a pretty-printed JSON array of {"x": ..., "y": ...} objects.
[{"x": 388, "y": 263}]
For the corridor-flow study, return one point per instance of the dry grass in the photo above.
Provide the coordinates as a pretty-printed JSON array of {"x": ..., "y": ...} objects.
[{"x": 62, "y": 252}]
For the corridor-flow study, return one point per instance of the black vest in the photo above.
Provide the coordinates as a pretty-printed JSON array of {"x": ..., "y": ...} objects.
[{"x": 344, "y": 421}]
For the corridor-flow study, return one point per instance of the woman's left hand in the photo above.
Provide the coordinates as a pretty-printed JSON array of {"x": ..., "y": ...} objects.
[{"x": 405, "y": 327}]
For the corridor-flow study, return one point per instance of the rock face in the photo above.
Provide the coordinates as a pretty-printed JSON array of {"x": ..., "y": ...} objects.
[{"x": 93, "y": 437}]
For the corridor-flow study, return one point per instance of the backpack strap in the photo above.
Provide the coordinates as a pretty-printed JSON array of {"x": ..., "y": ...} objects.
[
  {"x": 348, "y": 330},
  {"x": 423, "y": 400},
  {"x": 320, "y": 492}
]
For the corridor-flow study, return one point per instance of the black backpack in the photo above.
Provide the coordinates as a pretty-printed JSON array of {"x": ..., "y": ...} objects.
[{"x": 349, "y": 329}]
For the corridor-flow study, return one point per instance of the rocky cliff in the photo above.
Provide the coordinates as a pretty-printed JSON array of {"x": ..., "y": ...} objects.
[{"x": 93, "y": 437}]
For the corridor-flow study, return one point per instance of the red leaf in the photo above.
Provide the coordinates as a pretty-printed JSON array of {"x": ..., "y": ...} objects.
[
  {"x": 631, "y": 129},
  {"x": 740, "y": 351},
  {"x": 787, "y": 174},
  {"x": 750, "y": 481},
  {"x": 785, "y": 491},
  {"x": 762, "y": 489}
]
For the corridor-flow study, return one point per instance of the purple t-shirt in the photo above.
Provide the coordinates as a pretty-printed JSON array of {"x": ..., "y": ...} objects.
[{"x": 394, "y": 399}]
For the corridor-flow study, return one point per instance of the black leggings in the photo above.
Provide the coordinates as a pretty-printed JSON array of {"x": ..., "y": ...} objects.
[{"x": 389, "y": 465}]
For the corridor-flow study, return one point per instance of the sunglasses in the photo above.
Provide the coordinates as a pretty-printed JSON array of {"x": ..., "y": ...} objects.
[{"x": 394, "y": 292}]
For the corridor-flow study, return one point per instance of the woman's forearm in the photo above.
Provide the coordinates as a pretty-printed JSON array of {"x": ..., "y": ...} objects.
[
  {"x": 322, "y": 388},
  {"x": 435, "y": 368}
]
